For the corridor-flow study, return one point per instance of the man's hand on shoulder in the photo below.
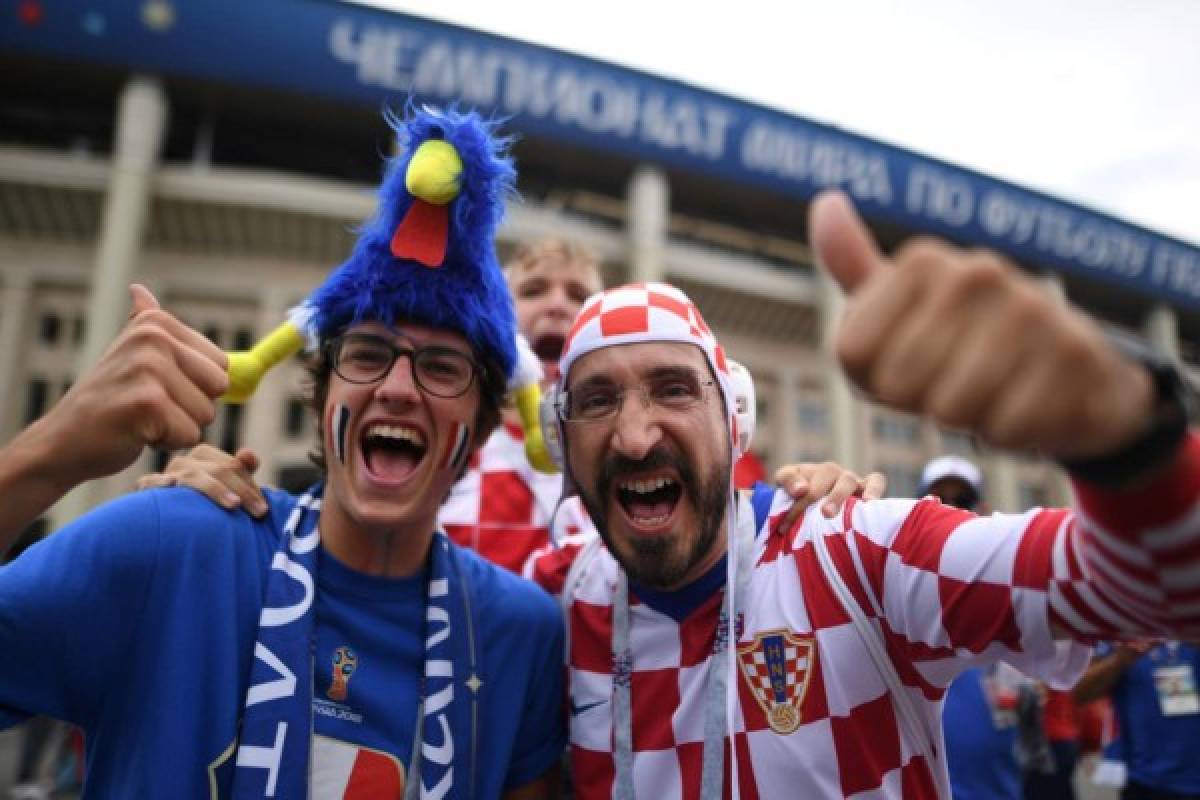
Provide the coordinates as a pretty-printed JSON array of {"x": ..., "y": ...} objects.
[{"x": 227, "y": 480}]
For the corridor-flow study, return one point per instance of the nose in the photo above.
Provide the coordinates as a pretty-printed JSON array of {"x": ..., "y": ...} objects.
[
  {"x": 559, "y": 303},
  {"x": 636, "y": 429},
  {"x": 399, "y": 386}
]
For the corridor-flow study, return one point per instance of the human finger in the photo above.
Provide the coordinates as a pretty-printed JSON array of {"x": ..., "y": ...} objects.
[
  {"x": 874, "y": 486},
  {"x": 843, "y": 244},
  {"x": 155, "y": 480},
  {"x": 845, "y": 486},
  {"x": 141, "y": 299}
]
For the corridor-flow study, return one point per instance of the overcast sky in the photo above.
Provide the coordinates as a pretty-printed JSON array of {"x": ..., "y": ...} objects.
[{"x": 1097, "y": 101}]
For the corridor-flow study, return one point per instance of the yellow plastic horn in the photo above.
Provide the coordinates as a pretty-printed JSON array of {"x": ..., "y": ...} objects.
[
  {"x": 528, "y": 398},
  {"x": 434, "y": 172},
  {"x": 247, "y": 368}
]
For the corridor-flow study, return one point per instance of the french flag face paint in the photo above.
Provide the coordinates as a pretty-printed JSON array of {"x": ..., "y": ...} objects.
[
  {"x": 339, "y": 423},
  {"x": 457, "y": 445}
]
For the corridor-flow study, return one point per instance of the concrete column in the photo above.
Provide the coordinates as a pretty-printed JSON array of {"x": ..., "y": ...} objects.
[
  {"x": 785, "y": 433},
  {"x": 141, "y": 121},
  {"x": 649, "y": 207},
  {"x": 845, "y": 410},
  {"x": 263, "y": 418},
  {"x": 1161, "y": 328},
  {"x": 16, "y": 299}
]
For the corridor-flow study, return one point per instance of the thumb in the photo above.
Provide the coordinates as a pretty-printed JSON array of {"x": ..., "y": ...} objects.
[
  {"x": 248, "y": 459},
  {"x": 142, "y": 300},
  {"x": 843, "y": 244}
]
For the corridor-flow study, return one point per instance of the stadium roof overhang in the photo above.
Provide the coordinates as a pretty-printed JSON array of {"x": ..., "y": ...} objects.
[{"x": 365, "y": 56}]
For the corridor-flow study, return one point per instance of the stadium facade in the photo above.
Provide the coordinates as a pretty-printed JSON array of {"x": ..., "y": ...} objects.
[{"x": 222, "y": 153}]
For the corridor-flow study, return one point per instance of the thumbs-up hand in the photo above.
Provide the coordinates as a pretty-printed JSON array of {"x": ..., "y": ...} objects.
[
  {"x": 964, "y": 337},
  {"x": 155, "y": 385}
]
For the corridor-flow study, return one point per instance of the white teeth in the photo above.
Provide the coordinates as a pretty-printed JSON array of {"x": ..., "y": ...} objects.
[
  {"x": 647, "y": 486},
  {"x": 402, "y": 434}
]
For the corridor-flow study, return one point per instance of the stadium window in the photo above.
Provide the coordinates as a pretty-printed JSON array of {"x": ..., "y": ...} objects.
[
  {"x": 77, "y": 327},
  {"x": 50, "y": 327},
  {"x": 958, "y": 443},
  {"x": 35, "y": 403},
  {"x": 232, "y": 428},
  {"x": 297, "y": 477},
  {"x": 293, "y": 418},
  {"x": 903, "y": 479},
  {"x": 813, "y": 416},
  {"x": 213, "y": 334},
  {"x": 243, "y": 339},
  {"x": 892, "y": 428},
  {"x": 1032, "y": 495}
]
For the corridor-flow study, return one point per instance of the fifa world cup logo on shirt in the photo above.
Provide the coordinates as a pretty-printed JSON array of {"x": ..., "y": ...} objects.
[{"x": 344, "y": 664}]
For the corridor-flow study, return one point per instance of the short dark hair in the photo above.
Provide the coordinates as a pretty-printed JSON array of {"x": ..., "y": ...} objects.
[{"x": 492, "y": 387}]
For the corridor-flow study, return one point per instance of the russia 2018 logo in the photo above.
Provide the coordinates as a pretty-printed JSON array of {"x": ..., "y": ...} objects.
[{"x": 344, "y": 664}]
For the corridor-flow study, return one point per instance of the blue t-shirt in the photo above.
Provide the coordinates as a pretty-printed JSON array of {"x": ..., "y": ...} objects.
[
  {"x": 137, "y": 622},
  {"x": 1160, "y": 751},
  {"x": 980, "y": 742}
]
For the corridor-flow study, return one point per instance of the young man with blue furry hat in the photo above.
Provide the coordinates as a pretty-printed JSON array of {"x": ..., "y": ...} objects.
[{"x": 340, "y": 646}]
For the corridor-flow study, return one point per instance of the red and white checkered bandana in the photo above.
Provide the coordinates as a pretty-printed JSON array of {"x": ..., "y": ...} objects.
[{"x": 645, "y": 312}]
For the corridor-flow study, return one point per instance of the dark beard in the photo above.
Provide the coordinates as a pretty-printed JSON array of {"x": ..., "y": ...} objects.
[{"x": 662, "y": 562}]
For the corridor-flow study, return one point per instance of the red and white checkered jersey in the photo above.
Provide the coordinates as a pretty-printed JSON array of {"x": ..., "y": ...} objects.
[
  {"x": 502, "y": 506},
  {"x": 945, "y": 590}
]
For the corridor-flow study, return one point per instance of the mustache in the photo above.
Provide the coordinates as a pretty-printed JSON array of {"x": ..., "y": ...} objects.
[{"x": 616, "y": 465}]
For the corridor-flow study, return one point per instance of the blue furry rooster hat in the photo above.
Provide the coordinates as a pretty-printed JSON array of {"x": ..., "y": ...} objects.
[{"x": 428, "y": 255}]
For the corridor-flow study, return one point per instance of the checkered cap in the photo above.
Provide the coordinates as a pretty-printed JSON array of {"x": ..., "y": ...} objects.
[{"x": 644, "y": 312}]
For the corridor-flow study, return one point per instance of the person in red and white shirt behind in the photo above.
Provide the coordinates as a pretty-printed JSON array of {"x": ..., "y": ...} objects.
[
  {"x": 503, "y": 507},
  {"x": 713, "y": 653}
]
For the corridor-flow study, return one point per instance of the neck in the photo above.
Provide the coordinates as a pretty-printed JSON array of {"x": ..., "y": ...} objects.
[{"x": 384, "y": 552}]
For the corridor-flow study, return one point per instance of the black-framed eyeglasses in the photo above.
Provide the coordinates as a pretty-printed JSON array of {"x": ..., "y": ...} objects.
[
  {"x": 367, "y": 358},
  {"x": 673, "y": 391}
]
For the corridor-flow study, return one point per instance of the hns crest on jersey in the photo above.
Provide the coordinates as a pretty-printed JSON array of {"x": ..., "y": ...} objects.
[{"x": 776, "y": 666}]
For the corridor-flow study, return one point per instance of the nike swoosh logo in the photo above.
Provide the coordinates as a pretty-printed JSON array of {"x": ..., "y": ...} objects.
[{"x": 576, "y": 709}]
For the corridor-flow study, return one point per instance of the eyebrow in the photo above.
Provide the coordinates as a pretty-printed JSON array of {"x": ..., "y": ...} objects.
[
  {"x": 665, "y": 372},
  {"x": 403, "y": 340}
]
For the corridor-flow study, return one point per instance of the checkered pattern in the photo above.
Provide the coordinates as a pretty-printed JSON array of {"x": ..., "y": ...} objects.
[
  {"x": 946, "y": 591},
  {"x": 502, "y": 506},
  {"x": 644, "y": 312}
]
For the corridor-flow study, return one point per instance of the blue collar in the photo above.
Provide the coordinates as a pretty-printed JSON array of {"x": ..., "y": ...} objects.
[{"x": 679, "y": 604}]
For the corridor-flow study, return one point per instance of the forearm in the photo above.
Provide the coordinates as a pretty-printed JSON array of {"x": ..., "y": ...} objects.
[
  {"x": 1101, "y": 676},
  {"x": 34, "y": 475}
]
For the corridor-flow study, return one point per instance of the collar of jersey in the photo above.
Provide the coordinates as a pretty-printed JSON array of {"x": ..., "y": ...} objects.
[{"x": 679, "y": 604}]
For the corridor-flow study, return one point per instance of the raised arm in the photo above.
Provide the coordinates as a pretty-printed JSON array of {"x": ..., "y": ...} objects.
[
  {"x": 967, "y": 339},
  {"x": 155, "y": 385}
]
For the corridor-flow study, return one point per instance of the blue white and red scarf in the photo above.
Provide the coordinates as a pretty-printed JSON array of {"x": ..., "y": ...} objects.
[{"x": 275, "y": 740}]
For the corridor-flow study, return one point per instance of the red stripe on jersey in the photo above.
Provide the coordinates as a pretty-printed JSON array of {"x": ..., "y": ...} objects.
[
  {"x": 591, "y": 636},
  {"x": 923, "y": 535},
  {"x": 550, "y": 569},
  {"x": 867, "y": 744},
  {"x": 825, "y": 610},
  {"x": 698, "y": 632},
  {"x": 747, "y": 783},
  {"x": 1034, "y": 562},
  {"x": 374, "y": 775},
  {"x": 916, "y": 782},
  {"x": 874, "y": 561},
  {"x": 627, "y": 319},
  {"x": 1162, "y": 501},
  {"x": 592, "y": 773},
  {"x": 690, "y": 756},
  {"x": 654, "y": 696},
  {"x": 1083, "y": 609},
  {"x": 1071, "y": 548},
  {"x": 904, "y": 654},
  {"x": 977, "y": 614}
]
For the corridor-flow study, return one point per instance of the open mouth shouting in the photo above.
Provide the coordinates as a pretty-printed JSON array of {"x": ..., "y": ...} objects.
[
  {"x": 649, "y": 501},
  {"x": 392, "y": 452}
]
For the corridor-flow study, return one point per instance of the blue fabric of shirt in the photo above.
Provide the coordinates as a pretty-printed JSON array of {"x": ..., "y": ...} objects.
[
  {"x": 137, "y": 622},
  {"x": 1159, "y": 751},
  {"x": 981, "y": 758}
]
